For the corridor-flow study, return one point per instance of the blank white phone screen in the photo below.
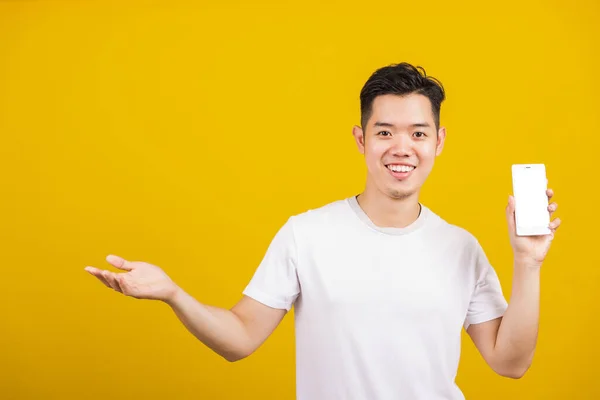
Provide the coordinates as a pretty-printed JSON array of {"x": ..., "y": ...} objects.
[{"x": 531, "y": 201}]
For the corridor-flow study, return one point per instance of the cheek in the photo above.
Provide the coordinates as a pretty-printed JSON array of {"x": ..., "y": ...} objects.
[
  {"x": 376, "y": 150},
  {"x": 426, "y": 154}
]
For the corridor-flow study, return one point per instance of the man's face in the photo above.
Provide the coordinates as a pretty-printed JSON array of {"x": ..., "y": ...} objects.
[{"x": 400, "y": 144}]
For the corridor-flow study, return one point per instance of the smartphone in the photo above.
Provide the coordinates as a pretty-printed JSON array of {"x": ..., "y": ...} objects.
[{"x": 531, "y": 201}]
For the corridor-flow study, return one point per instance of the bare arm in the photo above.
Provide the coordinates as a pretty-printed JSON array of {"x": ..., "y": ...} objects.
[
  {"x": 233, "y": 334},
  {"x": 507, "y": 344}
]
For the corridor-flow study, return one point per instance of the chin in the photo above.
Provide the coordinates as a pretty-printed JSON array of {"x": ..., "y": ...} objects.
[{"x": 399, "y": 194}]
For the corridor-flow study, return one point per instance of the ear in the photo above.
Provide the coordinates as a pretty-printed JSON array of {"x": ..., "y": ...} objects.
[
  {"x": 441, "y": 138},
  {"x": 359, "y": 137}
]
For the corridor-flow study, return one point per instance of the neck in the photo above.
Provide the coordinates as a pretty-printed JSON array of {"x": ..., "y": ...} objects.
[{"x": 388, "y": 212}]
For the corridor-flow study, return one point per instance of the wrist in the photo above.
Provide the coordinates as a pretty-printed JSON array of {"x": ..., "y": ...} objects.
[
  {"x": 526, "y": 263},
  {"x": 173, "y": 296}
]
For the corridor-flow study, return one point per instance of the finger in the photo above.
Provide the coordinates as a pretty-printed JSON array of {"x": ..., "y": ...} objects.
[
  {"x": 549, "y": 193},
  {"x": 552, "y": 207},
  {"x": 119, "y": 262},
  {"x": 110, "y": 278},
  {"x": 122, "y": 284},
  {"x": 555, "y": 224},
  {"x": 98, "y": 274},
  {"x": 510, "y": 213}
]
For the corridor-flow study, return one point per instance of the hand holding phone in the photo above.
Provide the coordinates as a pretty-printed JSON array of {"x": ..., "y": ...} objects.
[{"x": 531, "y": 201}]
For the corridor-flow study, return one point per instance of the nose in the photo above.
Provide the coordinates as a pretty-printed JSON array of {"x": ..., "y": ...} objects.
[{"x": 402, "y": 147}]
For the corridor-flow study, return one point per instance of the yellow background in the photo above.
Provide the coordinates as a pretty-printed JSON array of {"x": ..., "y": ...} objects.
[{"x": 185, "y": 134}]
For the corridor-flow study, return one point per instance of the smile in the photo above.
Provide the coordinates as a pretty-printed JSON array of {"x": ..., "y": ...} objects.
[
  {"x": 400, "y": 172},
  {"x": 400, "y": 168}
]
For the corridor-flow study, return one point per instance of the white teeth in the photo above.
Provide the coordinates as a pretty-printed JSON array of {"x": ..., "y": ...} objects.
[{"x": 400, "y": 168}]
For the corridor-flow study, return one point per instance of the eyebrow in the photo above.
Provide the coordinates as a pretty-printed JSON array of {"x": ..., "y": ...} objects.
[{"x": 390, "y": 125}]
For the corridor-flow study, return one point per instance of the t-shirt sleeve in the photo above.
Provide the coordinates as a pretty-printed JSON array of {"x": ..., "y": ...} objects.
[
  {"x": 275, "y": 281},
  {"x": 487, "y": 301}
]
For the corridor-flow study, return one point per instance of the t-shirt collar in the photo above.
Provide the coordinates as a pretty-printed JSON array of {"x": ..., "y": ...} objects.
[{"x": 353, "y": 202}]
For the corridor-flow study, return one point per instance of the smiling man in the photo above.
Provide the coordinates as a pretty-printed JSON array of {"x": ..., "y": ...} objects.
[{"x": 382, "y": 286}]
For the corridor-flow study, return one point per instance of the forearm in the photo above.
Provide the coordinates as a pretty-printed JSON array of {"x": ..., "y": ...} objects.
[
  {"x": 219, "y": 329},
  {"x": 518, "y": 331}
]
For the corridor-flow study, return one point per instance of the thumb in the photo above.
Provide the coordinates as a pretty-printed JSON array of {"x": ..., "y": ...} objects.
[
  {"x": 119, "y": 262},
  {"x": 510, "y": 213}
]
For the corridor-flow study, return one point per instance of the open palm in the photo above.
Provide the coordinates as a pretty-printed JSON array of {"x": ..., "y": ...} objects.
[{"x": 141, "y": 280}]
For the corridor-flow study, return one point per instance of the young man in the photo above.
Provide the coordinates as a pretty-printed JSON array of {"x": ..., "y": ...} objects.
[{"x": 381, "y": 285}]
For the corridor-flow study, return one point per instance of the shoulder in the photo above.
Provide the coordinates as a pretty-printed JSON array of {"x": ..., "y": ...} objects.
[
  {"x": 322, "y": 214},
  {"x": 309, "y": 223},
  {"x": 322, "y": 220},
  {"x": 451, "y": 234}
]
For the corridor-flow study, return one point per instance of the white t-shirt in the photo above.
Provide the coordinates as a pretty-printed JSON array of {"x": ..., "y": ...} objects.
[{"x": 378, "y": 311}]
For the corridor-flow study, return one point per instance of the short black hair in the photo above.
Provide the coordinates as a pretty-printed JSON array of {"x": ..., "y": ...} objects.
[{"x": 401, "y": 79}]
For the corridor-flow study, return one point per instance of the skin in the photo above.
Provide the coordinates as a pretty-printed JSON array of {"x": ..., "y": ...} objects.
[{"x": 400, "y": 130}]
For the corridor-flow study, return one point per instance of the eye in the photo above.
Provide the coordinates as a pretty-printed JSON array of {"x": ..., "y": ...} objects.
[
  {"x": 419, "y": 134},
  {"x": 384, "y": 133}
]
